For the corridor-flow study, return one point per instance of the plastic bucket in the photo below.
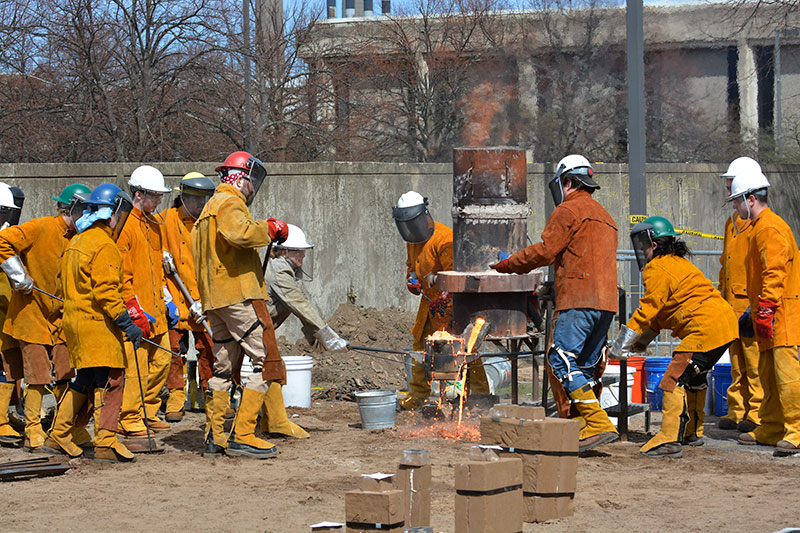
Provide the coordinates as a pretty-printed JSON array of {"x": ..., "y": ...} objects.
[
  {"x": 610, "y": 394},
  {"x": 722, "y": 380},
  {"x": 377, "y": 408},
  {"x": 297, "y": 391},
  {"x": 654, "y": 368},
  {"x": 498, "y": 373},
  {"x": 637, "y": 363}
]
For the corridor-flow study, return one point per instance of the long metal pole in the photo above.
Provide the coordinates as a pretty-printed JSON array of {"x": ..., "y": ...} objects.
[
  {"x": 778, "y": 109},
  {"x": 636, "y": 114}
]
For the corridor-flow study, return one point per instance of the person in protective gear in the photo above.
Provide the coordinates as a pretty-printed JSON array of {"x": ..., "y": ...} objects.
[
  {"x": 144, "y": 289},
  {"x": 9, "y": 347},
  {"x": 680, "y": 298},
  {"x": 290, "y": 264},
  {"x": 773, "y": 288},
  {"x": 745, "y": 393},
  {"x": 30, "y": 255},
  {"x": 429, "y": 248},
  {"x": 95, "y": 320},
  {"x": 580, "y": 239},
  {"x": 71, "y": 202},
  {"x": 230, "y": 278},
  {"x": 195, "y": 190}
]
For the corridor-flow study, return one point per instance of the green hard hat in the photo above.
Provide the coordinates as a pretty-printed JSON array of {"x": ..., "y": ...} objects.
[
  {"x": 70, "y": 191},
  {"x": 660, "y": 226}
]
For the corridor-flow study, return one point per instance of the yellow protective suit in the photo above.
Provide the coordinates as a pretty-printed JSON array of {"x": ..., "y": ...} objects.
[
  {"x": 745, "y": 393},
  {"x": 36, "y": 318},
  {"x": 773, "y": 273},
  {"x": 92, "y": 278},
  {"x": 429, "y": 258},
  {"x": 228, "y": 269}
]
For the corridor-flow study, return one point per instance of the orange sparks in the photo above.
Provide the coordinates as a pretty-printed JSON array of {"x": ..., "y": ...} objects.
[{"x": 442, "y": 335}]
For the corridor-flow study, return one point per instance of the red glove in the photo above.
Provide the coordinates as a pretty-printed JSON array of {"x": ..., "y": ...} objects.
[
  {"x": 278, "y": 230},
  {"x": 438, "y": 307},
  {"x": 138, "y": 316},
  {"x": 503, "y": 267},
  {"x": 765, "y": 317},
  {"x": 413, "y": 286}
]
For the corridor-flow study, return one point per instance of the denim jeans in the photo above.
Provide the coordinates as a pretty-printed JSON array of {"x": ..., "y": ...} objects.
[{"x": 578, "y": 339}]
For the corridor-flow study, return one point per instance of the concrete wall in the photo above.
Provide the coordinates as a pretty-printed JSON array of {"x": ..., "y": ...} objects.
[{"x": 346, "y": 210}]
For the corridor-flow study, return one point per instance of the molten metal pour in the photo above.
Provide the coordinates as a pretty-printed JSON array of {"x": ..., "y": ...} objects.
[{"x": 446, "y": 358}]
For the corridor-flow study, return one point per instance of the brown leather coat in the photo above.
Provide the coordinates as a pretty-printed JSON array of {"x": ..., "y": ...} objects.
[{"x": 580, "y": 239}]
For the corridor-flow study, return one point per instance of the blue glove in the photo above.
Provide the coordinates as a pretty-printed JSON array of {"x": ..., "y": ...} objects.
[
  {"x": 173, "y": 315},
  {"x": 746, "y": 330},
  {"x": 150, "y": 318},
  {"x": 502, "y": 256}
]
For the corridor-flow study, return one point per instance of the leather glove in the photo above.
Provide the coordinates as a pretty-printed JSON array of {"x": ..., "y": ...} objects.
[
  {"x": 438, "y": 307},
  {"x": 746, "y": 330},
  {"x": 413, "y": 285},
  {"x": 196, "y": 311},
  {"x": 765, "y": 318},
  {"x": 169, "y": 263},
  {"x": 17, "y": 275},
  {"x": 133, "y": 333},
  {"x": 503, "y": 267},
  {"x": 330, "y": 340},
  {"x": 278, "y": 230},
  {"x": 138, "y": 316}
]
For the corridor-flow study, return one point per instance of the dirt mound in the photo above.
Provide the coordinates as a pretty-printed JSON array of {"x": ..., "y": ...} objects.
[{"x": 389, "y": 329}]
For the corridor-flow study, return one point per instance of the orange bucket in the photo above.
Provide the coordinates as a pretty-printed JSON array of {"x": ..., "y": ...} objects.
[{"x": 637, "y": 363}]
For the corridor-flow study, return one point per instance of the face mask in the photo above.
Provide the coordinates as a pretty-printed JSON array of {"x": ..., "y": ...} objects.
[{"x": 90, "y": 217}]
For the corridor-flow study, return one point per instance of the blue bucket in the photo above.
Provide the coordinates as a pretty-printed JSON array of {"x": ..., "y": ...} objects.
[
  {"x": 722, "y": 380},
  {"x": 654, "y": 368}
]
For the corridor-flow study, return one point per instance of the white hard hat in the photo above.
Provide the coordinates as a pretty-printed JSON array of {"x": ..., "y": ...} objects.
[
  {"x": 572, "y": 162},
  {"x": 148, "y": 178},
  {"x": 742, "y": 165},
  {"x": 296, "y": 240},
  {"x": 410, "y": 199},
  {"x": 7, "y": 197},
  {"x": 746, "y": 183}
]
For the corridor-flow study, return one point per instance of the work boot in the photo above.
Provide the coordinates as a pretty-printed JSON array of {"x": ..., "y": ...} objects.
[
  {"x": 34, "y": 434},
  {"x": 216, "y": 440},
  {"x": 597, "y": 428},
  {"x": 669, "y": 449},
  {"x": 420, "y": 389},
  {"x": 784, "y": 448},
  {"x": 175, "y": 405},
  {"x": 673, "y": 426},
  {"x": 244, "y": 443},
  {"x": 156, "y": 424},
  {"x": 695, "y": 403},
  {"x": 109, "y": 449},
  {"x": 747, "y": 439},
  {"x": 8, "y": 435},
  {"x": 274, "y": 418},
  {"x": 746, "y": 426},
  {"x": 727, "y": 423},
  {"x": 60, "y": 439}
]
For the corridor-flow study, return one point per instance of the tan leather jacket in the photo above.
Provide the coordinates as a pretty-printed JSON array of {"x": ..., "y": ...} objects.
[{"x": 580, "y": 239}]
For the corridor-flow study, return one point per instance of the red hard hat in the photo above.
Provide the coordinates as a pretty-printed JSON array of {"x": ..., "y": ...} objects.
[{"x": 235, "y": 160}]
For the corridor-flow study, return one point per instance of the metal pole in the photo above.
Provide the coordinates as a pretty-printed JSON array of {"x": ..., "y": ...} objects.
[
  {"x": 636, "y": 114},
  {"x": 248, "y": 102},
  {"x": 778, "y": 109}
]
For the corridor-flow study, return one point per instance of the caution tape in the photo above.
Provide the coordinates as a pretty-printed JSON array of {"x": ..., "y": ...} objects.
[{"x": 635, "y": 219}]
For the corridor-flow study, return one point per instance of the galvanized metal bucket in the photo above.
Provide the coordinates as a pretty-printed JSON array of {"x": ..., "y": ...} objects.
[{"x": 377, "y": 408}]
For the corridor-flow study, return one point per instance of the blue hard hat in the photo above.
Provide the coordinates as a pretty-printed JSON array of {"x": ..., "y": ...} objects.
[{"x": 104, "y": 195}]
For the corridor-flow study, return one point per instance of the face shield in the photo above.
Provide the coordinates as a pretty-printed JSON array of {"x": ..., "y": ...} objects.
[
  {"x": 303, "y": 261},
  {"x": 19, "y": 201},
  {"x": 256, "y": 174},
  {"x": 555, "y": 188},
  {"x": 414, "y": 223},
  {"x": 120, "y": 216},
  {"x": 642, "y": 240},
  {"x": 9, "y": 216},
  {"x": 193, "y": 201},
  {"x": 75, "y": 209}
]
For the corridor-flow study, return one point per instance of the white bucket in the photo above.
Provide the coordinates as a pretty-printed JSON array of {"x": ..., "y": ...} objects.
[
  {"x": 297, "y": 391},
  {"x": 610, "y": 394},
  {"x": 498, "y": 372}
]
